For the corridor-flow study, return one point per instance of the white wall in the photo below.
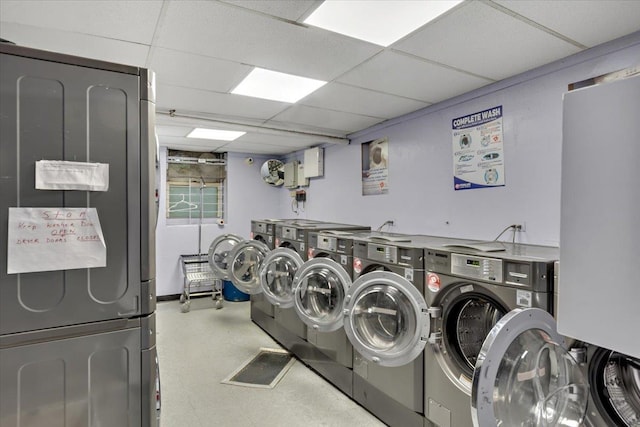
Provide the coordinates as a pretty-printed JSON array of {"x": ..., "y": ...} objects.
[
  {"x": 248, "y": 197},
  {"x": 421, "y": 198}
]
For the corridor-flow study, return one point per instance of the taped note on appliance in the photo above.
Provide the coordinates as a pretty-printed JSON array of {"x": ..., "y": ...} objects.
[
  {"x": 48, "y": 239},
  {"x": 64, "y": 175}
]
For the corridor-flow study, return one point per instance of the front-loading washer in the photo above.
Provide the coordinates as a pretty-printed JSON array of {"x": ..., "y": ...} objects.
[
  {"x": 388, "y": 325},
  {"x": 469, "y": 288},
  {"x": 320, "y": 290},
  {"x": 263, "y": 230},
  {"x": 292, "y": 330}
]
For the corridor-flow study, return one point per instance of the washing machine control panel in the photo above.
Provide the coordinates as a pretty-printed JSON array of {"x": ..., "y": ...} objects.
[
  {"x": 327, "y": 243},
  {"x": 475, "y": 267},
  {"x": 289, "y": 233},
  {"x": 384, "y": 253}
]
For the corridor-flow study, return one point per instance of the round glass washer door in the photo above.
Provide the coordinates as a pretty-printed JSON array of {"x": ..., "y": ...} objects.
[
  {"x": 245, "y": 261},
  {"x": 320, "y": 288},
  {"x": 219, "y": 251},
  {"x": 525, "y": 377},
  {"x": 276, "y": 276},
  {"x": 386, "y": 318}
]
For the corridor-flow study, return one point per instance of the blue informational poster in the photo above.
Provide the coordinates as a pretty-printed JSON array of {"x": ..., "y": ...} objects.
[{"x": 478, "y": 150}]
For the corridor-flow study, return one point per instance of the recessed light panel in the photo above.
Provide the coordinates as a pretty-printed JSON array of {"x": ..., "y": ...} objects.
[
  {"x": 381, "y": 22},
  {"x": 266, "y": 84},
  {"x": 219, "y": 135}
]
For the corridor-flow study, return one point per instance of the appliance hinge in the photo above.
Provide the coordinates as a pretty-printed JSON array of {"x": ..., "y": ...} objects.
[
  {"x": 434, "y": 338},
  {"x": 435, "y": 312}
]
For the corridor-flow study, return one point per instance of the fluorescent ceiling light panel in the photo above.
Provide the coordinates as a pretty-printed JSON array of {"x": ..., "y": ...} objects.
[
  {"x": 219, "y": 135},
  {"x": 381, "y": 22},
  {"x": 266, "y": 84}
]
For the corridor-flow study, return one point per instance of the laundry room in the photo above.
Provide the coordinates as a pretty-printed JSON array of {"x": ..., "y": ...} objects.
[{"x": 421, "y": 238}]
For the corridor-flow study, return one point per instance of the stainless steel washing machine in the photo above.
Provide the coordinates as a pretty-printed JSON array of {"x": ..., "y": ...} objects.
[
  {"x": 263, "y": 230},
  {"x": 294, "y": 235},
  {"x": 320, "y": 288},
  {"x": 469, "y": 288},
  {"x": 387, "y": 322}
]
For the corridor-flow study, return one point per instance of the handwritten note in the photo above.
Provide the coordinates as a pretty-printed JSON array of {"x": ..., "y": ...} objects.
[{"x": 48, "y": 239}]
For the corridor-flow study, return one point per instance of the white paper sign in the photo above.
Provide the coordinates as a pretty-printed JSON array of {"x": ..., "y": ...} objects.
[
  {"x": 63, "y": 175},
  {"x": 48, "y": 239}
]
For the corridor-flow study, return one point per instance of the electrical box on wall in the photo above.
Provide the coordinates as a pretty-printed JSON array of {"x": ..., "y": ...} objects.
[
  {"x": 302, "y": 181},
  {"x": 291, "y": 174},
  {"x": 313, "y": 162}
]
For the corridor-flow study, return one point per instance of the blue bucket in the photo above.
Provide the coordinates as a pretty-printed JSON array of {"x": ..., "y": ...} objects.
[{"x": 231, "y": 293}]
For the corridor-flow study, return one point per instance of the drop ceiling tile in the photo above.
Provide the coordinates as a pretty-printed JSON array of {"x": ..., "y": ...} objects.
[
  {"x": 485, "y": 41},
  {"x": 233, "y": 106},
  {"x": 190, "y": 143},
  {"x": 287, "y": 9},
  {"x": 260, "y": 148},
  {"x": 402, "y": 75},
  {"x": 181, "y": 131},
  {"x": 223, "y": 31},
  {"x": 325, "y": 119},
  {"x": 341, "y": 97},
  {"x": 196, "y": 71},
  {"x": 76, "y": 44},
  {"x": 588, "y": 22},
  {"x": 133, "y": 21}
]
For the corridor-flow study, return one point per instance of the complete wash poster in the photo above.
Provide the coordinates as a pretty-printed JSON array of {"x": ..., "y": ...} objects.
[{"x": 478, "y": 150}]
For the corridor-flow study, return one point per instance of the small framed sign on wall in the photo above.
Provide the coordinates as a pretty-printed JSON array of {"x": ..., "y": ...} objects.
[{"x": 375, "y": 167}]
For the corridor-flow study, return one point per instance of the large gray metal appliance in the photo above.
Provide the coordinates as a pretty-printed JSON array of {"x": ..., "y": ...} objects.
[
  {"x": 599, "y": 247},
  {"x": 77, "y": 346},
  {"x": 469, "y": 288},
  {"x": 319, "y": 298},
  {"x": 263, "y": 230},
  {"x": 294, "y": 235},
  {"x": 387, "y": 323}
]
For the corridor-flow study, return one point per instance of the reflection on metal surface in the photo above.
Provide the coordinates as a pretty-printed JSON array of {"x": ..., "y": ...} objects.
[
  {"x": 381, "y": 318},
  {"x": 276, "y": 276},
  {"x": 272, "y": 172},
  {"x": 525, "y": 377},
  {"x": 246, "y": 259},
  {"x": 219, "y": 251}
]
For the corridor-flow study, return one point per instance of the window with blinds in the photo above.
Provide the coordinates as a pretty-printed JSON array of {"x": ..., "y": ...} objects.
[{"x": 196, "y": 184}]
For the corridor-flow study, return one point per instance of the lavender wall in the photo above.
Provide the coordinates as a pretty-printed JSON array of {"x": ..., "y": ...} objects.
[{"x": 421, "y": 197}]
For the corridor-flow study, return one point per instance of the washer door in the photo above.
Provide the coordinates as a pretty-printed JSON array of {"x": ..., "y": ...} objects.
[
  {"x": 219, "y": 253},
  {"x": 245, "y": 261},
  {"x": 525, "y": 377},
  {"x": 386, "y": 318},
  {"x": 320, "y": 287},
  {"x": 276, "y": 276}
]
